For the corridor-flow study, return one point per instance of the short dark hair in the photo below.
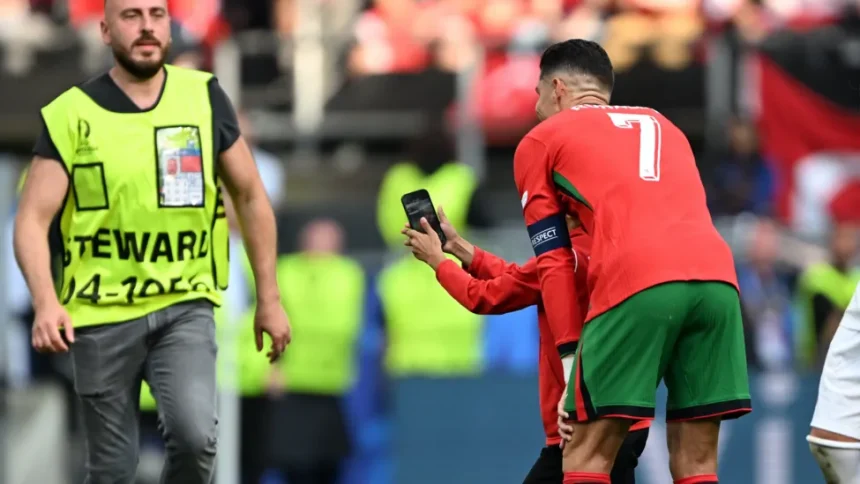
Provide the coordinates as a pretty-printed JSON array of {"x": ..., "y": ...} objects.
[{"x": 578, "y": 56}]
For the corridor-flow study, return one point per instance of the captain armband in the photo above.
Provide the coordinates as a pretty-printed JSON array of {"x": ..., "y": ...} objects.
[{"x": 549, "y": 234}]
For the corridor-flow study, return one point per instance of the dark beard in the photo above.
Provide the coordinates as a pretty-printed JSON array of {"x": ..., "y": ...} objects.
[{"x": 141, "y": 71}]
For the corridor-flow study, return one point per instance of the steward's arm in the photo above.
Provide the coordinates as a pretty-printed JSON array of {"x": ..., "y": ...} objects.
[
  {"x": 42, "y": 198},
  {"x": 238, "y": 170}
]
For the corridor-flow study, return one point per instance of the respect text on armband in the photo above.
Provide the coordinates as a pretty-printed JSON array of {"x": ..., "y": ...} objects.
[{"x": 549, "y": 234}]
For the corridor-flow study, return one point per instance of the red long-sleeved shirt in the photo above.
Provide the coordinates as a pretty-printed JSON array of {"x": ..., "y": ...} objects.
[{"x": 494, "y": 286}]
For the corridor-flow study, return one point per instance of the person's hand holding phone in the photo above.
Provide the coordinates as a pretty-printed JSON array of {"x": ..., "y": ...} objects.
[
  {"x": 455, "y": 245},
  {"x": 449, "y": 231},
  {"x": 426, "y": 245}
]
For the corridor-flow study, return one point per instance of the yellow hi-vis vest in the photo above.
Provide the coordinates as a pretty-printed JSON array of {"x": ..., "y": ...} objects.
[
  {"x": 826, "y": 280},
  {"x": 451, "y": 187},
  {"x": 324, "y": 296},
  {"x": 143, "y": 223},
  {"x": 429, "y": 333}
]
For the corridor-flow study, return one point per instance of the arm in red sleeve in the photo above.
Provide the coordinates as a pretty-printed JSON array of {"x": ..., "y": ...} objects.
[
  {"x": 513, "y": 290},
  {"x": 486, "y": 265},
  {"x": 544, "y": 217}
]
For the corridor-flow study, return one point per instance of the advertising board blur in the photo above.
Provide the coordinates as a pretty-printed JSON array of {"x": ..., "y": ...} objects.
[{"x": 487, "y": 430}]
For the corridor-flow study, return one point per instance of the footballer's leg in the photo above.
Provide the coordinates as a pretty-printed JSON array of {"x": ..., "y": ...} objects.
[
  {"x": 835, "y": 436},
  {"x": 837, "y": 455},
  {"x": 624, "y": 470},
  {"x": 547, "y": 468},
  {"x": 619, "y": 363},
  {"x": 706, "y": 378}
]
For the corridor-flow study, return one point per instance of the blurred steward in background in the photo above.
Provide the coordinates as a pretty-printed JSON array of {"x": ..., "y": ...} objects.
[
  {"x": 823, "y": 292},
  {"x": 325, "y": 291}
]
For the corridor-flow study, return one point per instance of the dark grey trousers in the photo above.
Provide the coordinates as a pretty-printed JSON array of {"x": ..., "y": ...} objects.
[{"x": 174, "y": 350}]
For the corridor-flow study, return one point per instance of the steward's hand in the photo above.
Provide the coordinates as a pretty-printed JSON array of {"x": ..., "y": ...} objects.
[
  {"x": 270, "y": 318},
  {"x": 46, "y": 329}
]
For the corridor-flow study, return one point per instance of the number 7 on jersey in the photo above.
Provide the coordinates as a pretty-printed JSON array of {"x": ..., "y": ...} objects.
[{"x": 650, "y": 138}]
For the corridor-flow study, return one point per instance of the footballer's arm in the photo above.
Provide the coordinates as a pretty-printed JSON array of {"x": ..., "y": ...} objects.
[{"x": 547, "y": 227}]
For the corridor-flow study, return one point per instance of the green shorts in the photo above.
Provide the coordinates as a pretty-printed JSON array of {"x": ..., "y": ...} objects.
[{"x": 689, "y": 334}]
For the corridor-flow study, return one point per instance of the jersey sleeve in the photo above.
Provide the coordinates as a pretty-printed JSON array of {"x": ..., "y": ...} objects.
[
  {"x": 486, "y": 265},
  {"x": 512, "y": 290},
  {"x": 545, "y": 220}
]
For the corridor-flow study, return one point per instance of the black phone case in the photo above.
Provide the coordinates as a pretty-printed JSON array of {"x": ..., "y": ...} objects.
[{"x": 414, "y": 221}]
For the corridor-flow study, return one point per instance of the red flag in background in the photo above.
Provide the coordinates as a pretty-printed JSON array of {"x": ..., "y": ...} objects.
[
  {"x": 845, "y": 205},
  {"x": 795, "y": 121}
]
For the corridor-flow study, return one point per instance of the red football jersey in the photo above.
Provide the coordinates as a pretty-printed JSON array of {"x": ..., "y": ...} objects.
[
  {"x": 631, "y": 177},
  {"x": 494, "y": 286}
]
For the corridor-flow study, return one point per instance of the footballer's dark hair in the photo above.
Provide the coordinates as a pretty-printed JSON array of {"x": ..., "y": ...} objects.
[{"x": 578, "y": 56}]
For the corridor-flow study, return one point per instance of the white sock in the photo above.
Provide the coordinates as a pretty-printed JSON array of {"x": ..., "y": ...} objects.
[{"x": 839, "y": 461}]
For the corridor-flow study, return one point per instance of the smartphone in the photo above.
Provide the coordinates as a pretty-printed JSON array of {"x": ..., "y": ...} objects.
[{"x": 417, "y": 205}]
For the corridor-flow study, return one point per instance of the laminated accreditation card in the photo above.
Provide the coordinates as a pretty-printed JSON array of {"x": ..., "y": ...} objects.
[{"x": 180, "y": 167}]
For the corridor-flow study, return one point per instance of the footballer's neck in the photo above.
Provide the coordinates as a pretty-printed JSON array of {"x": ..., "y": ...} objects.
[{"x": 592, "y": 97}]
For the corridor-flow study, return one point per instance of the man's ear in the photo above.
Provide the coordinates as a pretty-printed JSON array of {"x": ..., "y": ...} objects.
[{"x": 558, "y": 88}]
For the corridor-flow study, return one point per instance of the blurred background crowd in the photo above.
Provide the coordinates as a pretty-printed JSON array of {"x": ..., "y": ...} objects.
[{"x": 351, "y": 103}]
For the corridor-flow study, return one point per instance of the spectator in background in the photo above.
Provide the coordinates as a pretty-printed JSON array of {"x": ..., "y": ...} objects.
[
  {"x": 536, "y": 28},
  {"x": 22, "y": 32},
  {"x": 386, "y": 41},
  {"x": 766, "y": 300},
  {"x": 823, "y": 292},
  {"x": 743, "y": 179},
  {"x": 586, "y": 21},
  {"x": 456, "y": 46}
]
